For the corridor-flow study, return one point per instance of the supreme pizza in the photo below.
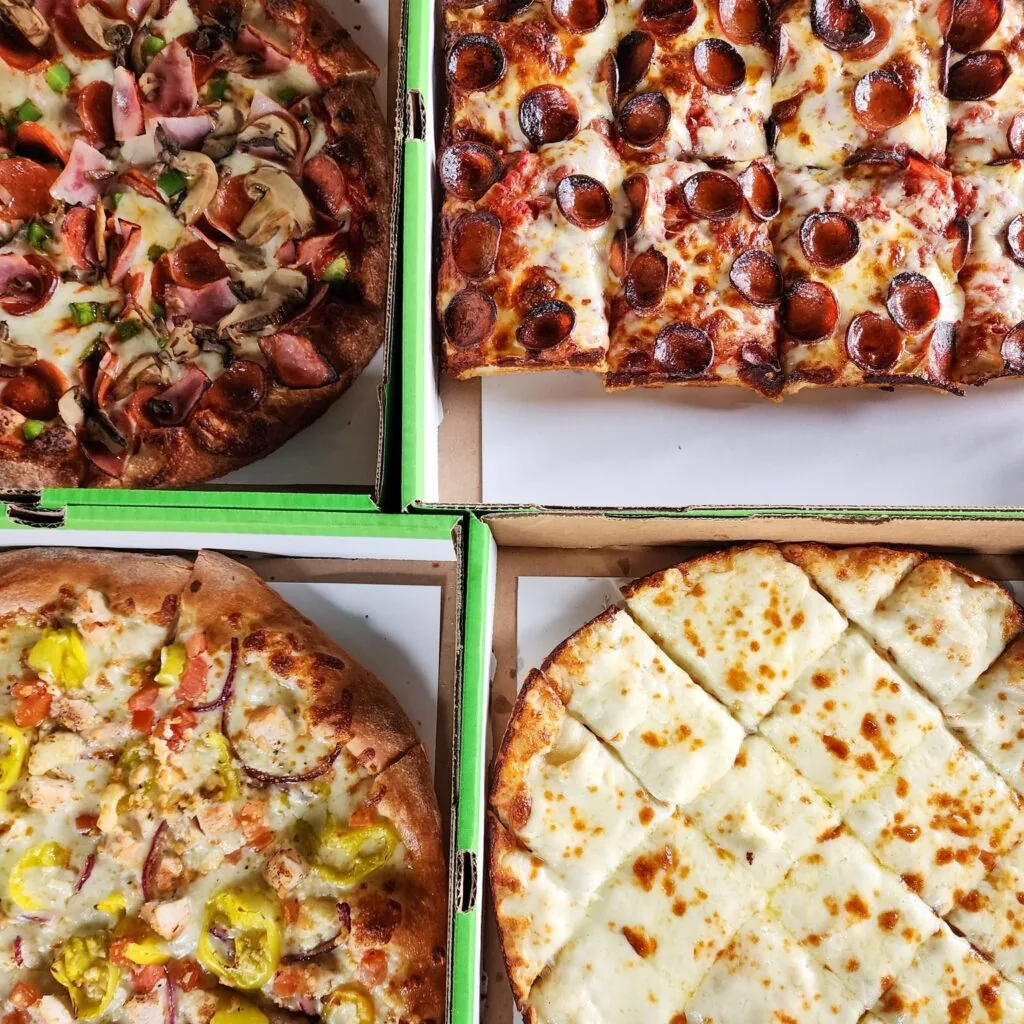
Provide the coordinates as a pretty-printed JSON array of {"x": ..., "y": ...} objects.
[
  {"x": 194, "y": 219},
  {"x": 777, "y": 784},
  {"x": 209, "y": 813},
  {"x": 779, "y": 194}
]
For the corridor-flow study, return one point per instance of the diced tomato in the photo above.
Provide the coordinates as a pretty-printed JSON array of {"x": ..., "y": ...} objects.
[
  {"x": 140, "y": 704},
  {"x": 173, "y": 728},
  {"x": 186, "y": 974},
  {"x": 193, "y": 679},
  {"x": 291, "y": 910},
  {"x": 253, "y": 819},
  {"x": 195, "y": 644},
  {"x": 31, "y": 703},
  {"x": 24, "y": 995},
  {"x": 16, "y": 1017},
  {"x": 146, "y": 978},
  {"x": 143, "y": 719},
  {"x": 85, "y": 824},
  {"x": 116, "y": 952},
  {"x": 289, "y": 982}
]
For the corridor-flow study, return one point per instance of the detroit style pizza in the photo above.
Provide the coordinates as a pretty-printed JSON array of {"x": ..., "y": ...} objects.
[
  {"x": 194, "y": 220},
  {"x": 776, "y": 784},
  {"x": 210, "y": 813},
  {"x": 781, "y": 195}
]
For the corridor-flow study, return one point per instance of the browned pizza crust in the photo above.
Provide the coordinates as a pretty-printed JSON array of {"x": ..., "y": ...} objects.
[{"x": 52, "y": 460}]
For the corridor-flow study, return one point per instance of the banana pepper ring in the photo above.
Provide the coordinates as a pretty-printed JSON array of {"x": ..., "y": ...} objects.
[
  {"x": 43, "y": 855},
  {"x": 348, "y": 995},
  {"x": 246, "y": 1014},
  {"x": 85, "y": 970},
  {"x": 172, "y": 665},
  {"x": 251, "y": 919},
  {"x": 225, "y": 764},
  {"x": 346, "y": 855},
  {"x": 11, "y": 763},
  {"x": 60, "y": 654}
]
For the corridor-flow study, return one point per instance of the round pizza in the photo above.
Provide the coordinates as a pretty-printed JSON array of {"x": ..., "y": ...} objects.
[
  {"x": 209, "y": 813},
  {"x": 779, "y": 783},
  {"x": 195, "y": 201}
]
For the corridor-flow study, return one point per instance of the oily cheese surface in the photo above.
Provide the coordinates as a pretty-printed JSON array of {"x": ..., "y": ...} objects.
[
  {"x": 209, "y": 811},
  {"x": 838, "y": 833}
]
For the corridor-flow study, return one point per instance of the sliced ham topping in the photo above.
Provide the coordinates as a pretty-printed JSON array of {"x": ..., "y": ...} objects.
[
  {"x": 94, "y": 107},
  {"x": 230, "y": 206},
  {"x": 172, "y": 407},
  {"x": 126, "y": 106},
  {"x": 78, "y": 237},
  {"x": 271, "y": 59},
  {"x": 103, "y": 458},
  {"x": 203, "y": 305},
  {"x": 26, "y": 283},
  {"x": 24, "y": 189},
  {"x": 296, "y": 362},
  {"x": 125, "y": 248},
  {"x": 170, "y": 81},
  {"x": 82, "y": 180},
  {"x": 33, "y": 140},
  {"x": 188, "y": 132}
]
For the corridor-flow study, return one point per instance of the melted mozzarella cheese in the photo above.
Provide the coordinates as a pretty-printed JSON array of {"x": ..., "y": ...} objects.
[{"x": 178, "y": 21}]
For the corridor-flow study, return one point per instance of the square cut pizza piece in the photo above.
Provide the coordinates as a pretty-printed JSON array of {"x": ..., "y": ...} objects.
[
  {"x": 653, "y": 928},
  {"x": 696, "y": 281},
  {"x": 990, "y": 342},
  {"x": 851, "y": 78},
  {"x": 765, "y": 975},
  {"x": 744, "y": 623},
  {"x": 940, "y": 819},
  {"x": 989, "y": 717},
  {"x": 869, "y": 257},
  {"x": 848, "y": 719},
  {"x": 985, "y": 82},
  {"x": 564, "y": 795},
  {"x": 852, "y": 916},
  {"x": 524, "y": 266},
  {"x": 948, "y": 982},
  {"x": 763, "y": 813},
  {"x": 694, "y": 79},
  {"x": 675, "y": 738},
  {"x": 525, "y": 75}
]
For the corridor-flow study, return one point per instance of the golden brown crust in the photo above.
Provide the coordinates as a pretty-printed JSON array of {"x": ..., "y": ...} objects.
[{"x": 52, "y": 460}]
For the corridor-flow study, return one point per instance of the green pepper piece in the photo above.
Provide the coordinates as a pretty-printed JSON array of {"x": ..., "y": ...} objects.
[
  {"x": 172, "y": 182},
  {"x": 28, "y": 111},
  {"x": 58, "y": 78},
  {"x": 32, "y": 429}
]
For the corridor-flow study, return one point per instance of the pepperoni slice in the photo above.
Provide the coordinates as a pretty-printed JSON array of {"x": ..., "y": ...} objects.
[
  {"x": 1015, "y": 135},
  {"x": 584, "y": 201},
  {"x": 546, "y": 325},
  {"x": 873, "y": 342},
  {"x": 978, "y": 76},
  {"x": 959, "y": 233},
  {"x": 755, "y": 274},
  {"x": 617, "y": 254},
  {"x": 26, "y": 283},
  {"x": 469, "y": 169},
  {"x": 882, "y": 100},
  {"x": 296, "y": 362},
  {"x": 96, "y": 111},
  {"x": 633, "y": 57},
  {"x": 195, "y": 265},
  {"x": 1012, "y": 349},
  {"x": 548, "y": 114},
  {"x": 78, "y": 237},
  {"x": 72, "y": 32},
  {"x": 470, "y": 318},
  {"x": 684, "y": 350},
  {"x": 475, "y": 240},
  {"x": 881, "y": 32},
  {"x": 712, "y": 195},
  {"x": 35, "y": 141},
  {"x": 644, "y": 119},
  {"x": 829, "y": 239},
  {"x": 476, "y": 63},
  {"x": 1015, "y": 239},
  {"x": 36, "y": 392},
  {"x": 913, "y": 302},
  {"x": 133, "y": 178},
  {"x": 841, "y": 25},
  {"x": 326, "y": 185},
  {"x": 668, "y": 16},
  {"x": 745, "y": 22},
  {"x": 760, "y": 369},
  {"x": 18, "y": 52},
  {"x": 809, "y": 310},
  {"x": 646, "y": 280},
  {"x": 973, "y": 22},
  {"x": 761, "y": 191},
  {"x": 636, "y": 188},
  {"x": 579, "y": 16},
  {"x": 230, "y": 206},
  {"x": 25, "y": 188},
  {"x": 718, "y": 65},
  {"x": 240, "y": 388}
]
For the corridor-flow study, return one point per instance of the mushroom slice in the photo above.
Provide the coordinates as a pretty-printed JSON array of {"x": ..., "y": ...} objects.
[
  {"x": 15, "y": 355},
  {"x": 281, "y": 293},
  {"x": 280, "y": 205},
  {"x": 108, "y": 33},
  {"x": 27, "y": 20},
  {"x": 202, "y": 183},
  {"x": 227, "y": 123},
  {"x": 275, "y": 133},
  {"x": 71, "y": 406}
]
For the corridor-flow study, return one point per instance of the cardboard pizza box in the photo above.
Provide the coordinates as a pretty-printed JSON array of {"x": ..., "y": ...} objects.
[
  {"x": 557, "y": 440},
  {"x": 386, "y": 588},
  {"x": 533, "y": 579},
  {"x": 339, "y": 461}
]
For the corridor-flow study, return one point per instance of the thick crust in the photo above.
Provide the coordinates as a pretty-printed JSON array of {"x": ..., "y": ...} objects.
[{"x": 54, "y": 460}]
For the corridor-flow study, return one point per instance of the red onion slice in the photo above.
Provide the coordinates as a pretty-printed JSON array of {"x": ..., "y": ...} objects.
[
  {"x": 152, "y": 861},
  {"x": 171, "y": 1002},
  {"x": 262, "y": 778},
  {"x": 229, "y": 682},
  {"x": 19, "y": 951},
  {"x": 345, "y": 919},
  {"x": 90, "y": 863}
]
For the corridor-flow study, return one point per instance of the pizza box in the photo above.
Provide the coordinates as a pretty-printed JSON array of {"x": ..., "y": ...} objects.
[
  {"x": 533, "y": 579},
  {"x": 339, "y": 461},
  {"x": 356, "y": 575},
  {"x": 557, "y": 440}
]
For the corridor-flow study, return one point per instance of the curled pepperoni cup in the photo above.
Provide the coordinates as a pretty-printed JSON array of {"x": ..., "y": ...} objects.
[
  {"x": 617, "y": 255},
  {"x": 759, "y": 368},
  {"x": 842, "y": 25},
  {"x": 744, "y": 21},
  {"x": 644, "y": 119},
  {"x": 584, "y": 201},
  {"x": 959, "y": 234},
  {"x": 1012, "y": 349},
  {"x": 579, "y": 16},
  {"x": 1015, "y": 239},
  {"x": 546, "y": 325},
  {"x": 646, "y": 280},
  {"x": 718, "y": 65},
  {"x": 978, "y": 76},
  {"x": 756, "y": 276},
  {"x": 636, "y": 189},
  {"x": 913, "y": 302},
  {"x": 669, "y": 16},
  {"x": 972, "y": 23},
  {"x": 876, "y": 42},
  {"x": 829, "y": 239},
  {"x": 633, "y": 57},
  {"x": 683, "y": 349},
  {"x": 1015, "y": 135},
  {"x": 809, "y": 310},
  {"x": 470, "y": 318},
  {"x": 761, "y": 191},
  {"x": 469, "y": 169},
  {"x": 882, "y": 100},
  {"x": 873, "y": 342},
  {"x": 475, "y": 240},
  {"x": 712, "y": 195},
  {"x": 548, "y": 114},
  {"x": 476, "y": 62}
]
